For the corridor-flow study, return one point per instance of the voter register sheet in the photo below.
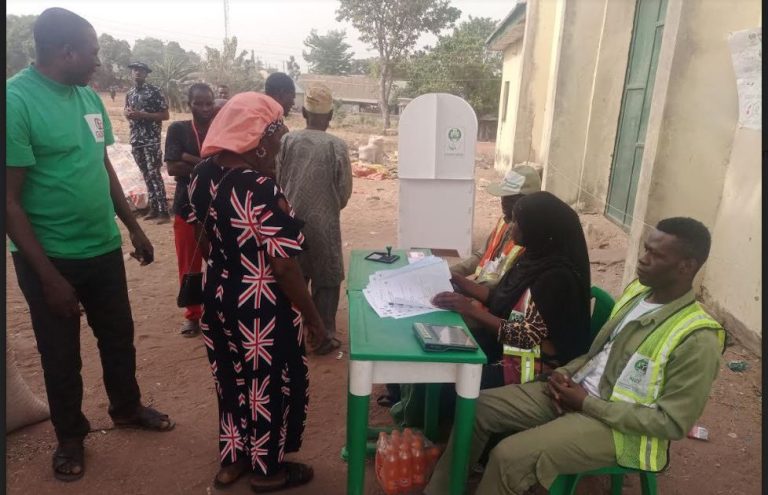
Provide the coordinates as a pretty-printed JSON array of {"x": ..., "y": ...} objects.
[{"x": 407, "y": 291}]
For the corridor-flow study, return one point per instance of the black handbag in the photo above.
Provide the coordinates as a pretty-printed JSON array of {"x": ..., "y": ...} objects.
[{"x": 191, "y": 288}]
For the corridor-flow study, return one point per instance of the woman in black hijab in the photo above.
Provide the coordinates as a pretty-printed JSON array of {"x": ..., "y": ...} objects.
[{"x": 543, "y": 300}]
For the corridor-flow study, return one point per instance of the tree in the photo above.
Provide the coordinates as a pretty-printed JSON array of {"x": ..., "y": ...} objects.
[
  {"x": 173, "y": 76},
  {"x": 460, "y": 64},
  {"x": 392, "y": 27},
  {"x": 293, "y": 69},
  {"x": 239, "y": 71},
  {"x": 19, "y": 43},
  {"x": 174, "y": 50},
  {"x": 115, "y": 56},
  {"x": 151, "y": 51},
  {"x": 362, "y": 66},
  {"x": 328, "y": 54}
]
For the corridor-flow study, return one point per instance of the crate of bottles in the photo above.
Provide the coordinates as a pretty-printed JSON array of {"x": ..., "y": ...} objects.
[{"x": 404, "y": 461}]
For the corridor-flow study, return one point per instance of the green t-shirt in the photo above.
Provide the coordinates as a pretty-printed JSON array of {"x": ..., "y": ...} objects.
[{"x": 59, "y": 134}]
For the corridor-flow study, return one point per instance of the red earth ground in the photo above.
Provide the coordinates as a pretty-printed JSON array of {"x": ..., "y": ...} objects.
[{"x": 174, "y": 375}]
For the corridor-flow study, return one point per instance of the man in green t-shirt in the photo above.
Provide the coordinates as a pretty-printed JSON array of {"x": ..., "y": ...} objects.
[{"x": 62, "y": 196}]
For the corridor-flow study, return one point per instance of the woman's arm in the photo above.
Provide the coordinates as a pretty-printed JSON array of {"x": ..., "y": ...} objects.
[
  {"x": 463, "y": 305},
  {"x": 472, "y": 289},
  {"x": 291, "y": 281}
]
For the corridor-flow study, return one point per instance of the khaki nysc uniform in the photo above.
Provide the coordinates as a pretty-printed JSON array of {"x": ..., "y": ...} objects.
[{"x": 610, "y": 429}]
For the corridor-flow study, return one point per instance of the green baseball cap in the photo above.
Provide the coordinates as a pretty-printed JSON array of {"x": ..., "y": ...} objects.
[{"x": 522, "y": 179}]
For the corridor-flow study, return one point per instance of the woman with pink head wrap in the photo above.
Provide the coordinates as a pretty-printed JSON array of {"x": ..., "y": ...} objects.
[{"x": 255, "y": 302}]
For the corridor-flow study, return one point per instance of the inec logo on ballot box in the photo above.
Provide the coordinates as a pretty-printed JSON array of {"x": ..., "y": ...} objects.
[{"x": 454, "y": 145}]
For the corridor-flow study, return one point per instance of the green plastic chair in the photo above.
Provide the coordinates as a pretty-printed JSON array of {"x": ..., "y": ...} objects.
[
  {"x": 603, "y": 306},
  {"x": 565, "y": 484}
]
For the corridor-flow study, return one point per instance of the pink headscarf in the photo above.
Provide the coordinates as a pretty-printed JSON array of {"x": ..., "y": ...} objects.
[{"x": 240, "y": 124}]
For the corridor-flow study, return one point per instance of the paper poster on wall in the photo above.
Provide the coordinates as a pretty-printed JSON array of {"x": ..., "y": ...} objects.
[
  {"x": 454, "y": 141},
  {"x": 747, "y": 55}
]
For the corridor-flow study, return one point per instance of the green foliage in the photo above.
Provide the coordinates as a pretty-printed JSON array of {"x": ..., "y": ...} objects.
[
  {"x": 151, "y": 51},
  {"x": 328, "y": 54},
  {"x": 460, "y": 64},
  {"x": 155, "y": 53},
  {"x": 392, "y": 27},
  {"x": 173, "y": 76},
  {"x": 115, "y": 55},
  {"x": 363, "y": 66},
  {"x": 239, "y": 71},
  {"x": 19, "y": 43}
]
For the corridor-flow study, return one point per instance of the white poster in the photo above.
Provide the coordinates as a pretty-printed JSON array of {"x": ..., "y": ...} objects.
[{"x": 747, "y": 55}]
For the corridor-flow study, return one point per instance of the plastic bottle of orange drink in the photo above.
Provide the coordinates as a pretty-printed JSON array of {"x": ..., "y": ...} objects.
[
  {"x": 404, "y": 468},
  {"x": 389, "y": 470},
  {"x": 418, "y": 461}
]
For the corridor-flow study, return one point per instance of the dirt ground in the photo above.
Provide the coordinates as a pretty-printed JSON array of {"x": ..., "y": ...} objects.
[{"x": 175, "y": 377}]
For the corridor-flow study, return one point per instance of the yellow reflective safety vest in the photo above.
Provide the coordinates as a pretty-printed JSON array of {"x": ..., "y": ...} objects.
[{"x": 642, "y": 379}]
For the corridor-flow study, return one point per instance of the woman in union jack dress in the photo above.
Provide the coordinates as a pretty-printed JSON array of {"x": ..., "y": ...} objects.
[{"x": 255, "y": 302}]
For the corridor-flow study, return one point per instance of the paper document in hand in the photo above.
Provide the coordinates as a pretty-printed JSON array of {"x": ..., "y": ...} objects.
[{"x": 408, "y": 291}]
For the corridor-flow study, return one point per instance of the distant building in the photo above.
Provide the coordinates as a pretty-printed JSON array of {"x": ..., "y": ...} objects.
[{"x": 356, "y": 94}]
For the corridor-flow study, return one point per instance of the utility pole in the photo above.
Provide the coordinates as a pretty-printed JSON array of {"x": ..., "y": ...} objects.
[{"x": 226, "y": 20}]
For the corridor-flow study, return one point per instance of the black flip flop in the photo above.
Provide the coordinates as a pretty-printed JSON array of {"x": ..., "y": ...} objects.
[
  {"x": 296, "y": 474},
  {"x": 73, "y": 454},
  {"x": 146, "y": 419},
  {"x": 384, "y": 401}
]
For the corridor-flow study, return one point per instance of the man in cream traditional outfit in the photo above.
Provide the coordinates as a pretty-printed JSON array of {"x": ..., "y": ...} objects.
[{"x": 314, "y": 171}]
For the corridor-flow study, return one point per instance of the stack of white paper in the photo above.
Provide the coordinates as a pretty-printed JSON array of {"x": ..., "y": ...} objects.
[{"x": 407, "y": 291}]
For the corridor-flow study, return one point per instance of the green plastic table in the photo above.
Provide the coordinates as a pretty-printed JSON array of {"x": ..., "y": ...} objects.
[{"x": 385, "y": 350}]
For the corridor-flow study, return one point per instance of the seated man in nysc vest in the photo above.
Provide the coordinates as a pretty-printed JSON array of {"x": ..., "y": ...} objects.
[
  {"x": 643, "y": 382},
  {"x": 488, "y": 266}
]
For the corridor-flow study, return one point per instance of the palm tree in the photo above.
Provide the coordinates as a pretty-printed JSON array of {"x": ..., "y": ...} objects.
[
  {"x": 236, "y": 70},
  {"x": 173, "y": 75}
]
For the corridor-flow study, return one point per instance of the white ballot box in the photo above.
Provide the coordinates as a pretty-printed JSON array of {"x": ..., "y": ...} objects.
[{"x": 436, "y": 172}]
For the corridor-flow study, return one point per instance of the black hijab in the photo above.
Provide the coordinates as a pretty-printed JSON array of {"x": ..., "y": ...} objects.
[{"x": 555, "y": 266}]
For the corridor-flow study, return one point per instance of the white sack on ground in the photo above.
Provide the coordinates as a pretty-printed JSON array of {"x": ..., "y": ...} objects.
[{"x": 23, "y": 407}]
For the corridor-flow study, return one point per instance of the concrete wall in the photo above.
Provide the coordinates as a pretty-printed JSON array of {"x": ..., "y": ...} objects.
[
  {"x": 563, "y": 148},
  {"x": 732, "y": 284},
  {"x": 605, "y": 104},
  {"x": 541, "y": 26},
  {"x": 695, "y": 163},
  {"x": 505, "y": 136}
]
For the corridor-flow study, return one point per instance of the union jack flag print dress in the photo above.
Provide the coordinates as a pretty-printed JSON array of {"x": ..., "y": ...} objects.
[{"x": 251, "y": 331}]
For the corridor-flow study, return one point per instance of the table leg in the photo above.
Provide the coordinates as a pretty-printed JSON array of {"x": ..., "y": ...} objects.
[
  {"x": 467, "y": 388},
  {"x": 360, "y": 385},
  {"x": 432, "y": 410}
]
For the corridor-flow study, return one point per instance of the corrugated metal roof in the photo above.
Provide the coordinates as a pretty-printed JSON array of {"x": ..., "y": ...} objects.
[{"x": 509, "y": 30}]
